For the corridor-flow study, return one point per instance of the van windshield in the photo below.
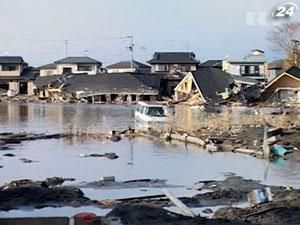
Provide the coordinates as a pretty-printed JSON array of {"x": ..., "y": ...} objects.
[{"x": 156, "y": 111}]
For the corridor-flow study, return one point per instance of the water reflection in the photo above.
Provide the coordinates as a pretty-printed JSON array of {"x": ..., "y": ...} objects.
[{"x": 56, "y": 118}]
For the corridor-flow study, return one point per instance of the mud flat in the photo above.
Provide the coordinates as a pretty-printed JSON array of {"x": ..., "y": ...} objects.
[{"x": 284, "y": 209}]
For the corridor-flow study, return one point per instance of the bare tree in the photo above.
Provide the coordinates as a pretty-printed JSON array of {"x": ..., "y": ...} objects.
[{"x": 282, "y": 39}]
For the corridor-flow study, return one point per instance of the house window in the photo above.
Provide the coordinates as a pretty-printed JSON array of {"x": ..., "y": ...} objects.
[
  {"x": 67, "y": 70},
  {"x": 9, "y": 67},
  {"x": 161, "y": 68},
  {"x": 193, "y": 68},
  {"x": 242, "y": 70},
  {"x": 249, "y": 70},
  {"x": 245, "y": 70},
  {"x": 84, "y": 68},
  {"x": 256, "y": 70}
]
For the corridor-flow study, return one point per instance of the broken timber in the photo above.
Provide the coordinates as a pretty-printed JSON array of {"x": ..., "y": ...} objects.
[{"x": 184, "y": 209}]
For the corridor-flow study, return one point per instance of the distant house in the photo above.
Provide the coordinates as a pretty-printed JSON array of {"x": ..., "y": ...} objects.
[
  {"x": 172, "y": 62},
  {"x": 100, "y": 88},
  {"x": 74, "y": 65},
  {"x": 208, "y": 83},
  {"x": 125, "y": 66},
  {"x": 285, "y": 88},
  {"x": 241, "y": 81},
  {"x": 252, "y": 66},
  {"x": 15, "y": 75},
  {"x": 275, "y": 68}
]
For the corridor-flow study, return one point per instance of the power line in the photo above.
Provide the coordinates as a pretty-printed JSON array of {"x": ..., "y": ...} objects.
[{"x": 63, "y": 40}]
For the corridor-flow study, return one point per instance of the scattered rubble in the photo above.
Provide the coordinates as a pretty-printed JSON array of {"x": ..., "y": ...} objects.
[
  {"x": 135, "y": 214},
  {"x": 40, "y": 194}
]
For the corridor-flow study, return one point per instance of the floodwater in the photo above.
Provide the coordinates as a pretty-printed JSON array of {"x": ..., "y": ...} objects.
[{"x": 138, "y": 158}]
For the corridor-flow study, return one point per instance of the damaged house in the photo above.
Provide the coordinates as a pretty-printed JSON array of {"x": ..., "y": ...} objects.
[
  {"x": 173, "y": 66},
  {"x": 285, "y": 88},
  {"x": 100, "y": 88},
  {"x": 204, "y": 86},
  {"x": 16, "y": 76}
]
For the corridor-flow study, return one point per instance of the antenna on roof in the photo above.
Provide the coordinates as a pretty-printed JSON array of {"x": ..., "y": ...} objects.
[
  {"x": 130, "y": 48},
  {"x": 86, "y": 52}
]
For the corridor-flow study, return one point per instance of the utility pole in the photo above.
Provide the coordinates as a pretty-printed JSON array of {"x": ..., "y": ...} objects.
[
  {"x": 66, "y": 47},
  {"x": 295, "y": 44},
  {"x": 144, "y": 49},
  {"x": 130, "y": 48}
]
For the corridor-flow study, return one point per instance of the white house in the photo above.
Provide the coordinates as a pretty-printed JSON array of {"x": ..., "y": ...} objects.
[
  {"x": 252, "y": 66},
  {"x": 74, "y": 65}
]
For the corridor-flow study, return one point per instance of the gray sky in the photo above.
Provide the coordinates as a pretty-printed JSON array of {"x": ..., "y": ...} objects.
[{"x": 212, "y": 29}]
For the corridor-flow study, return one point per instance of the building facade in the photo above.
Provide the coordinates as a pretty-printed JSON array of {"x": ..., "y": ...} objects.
[
  {"x": 72, "y": 65},
  {"x": 15, "y": 75},
  {"x": 172, "y": 62},
  {"x": 252, "y": 66}
]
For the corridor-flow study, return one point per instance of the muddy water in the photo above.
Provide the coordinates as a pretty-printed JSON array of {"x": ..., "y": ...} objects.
[{"x": 139, "y": 158}]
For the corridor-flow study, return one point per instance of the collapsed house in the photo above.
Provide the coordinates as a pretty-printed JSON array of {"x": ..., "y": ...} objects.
[
  {"x": 206, "y": 85},
  {"x": 100, "y": 88},
  {"x": 285, "y": 88}
]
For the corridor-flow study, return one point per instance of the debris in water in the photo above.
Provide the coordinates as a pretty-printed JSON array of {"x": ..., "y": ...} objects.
[{"x": 9, "y": 155}]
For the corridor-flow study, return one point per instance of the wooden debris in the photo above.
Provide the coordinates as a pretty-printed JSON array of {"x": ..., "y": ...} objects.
[{"x": 184, "y": 209}]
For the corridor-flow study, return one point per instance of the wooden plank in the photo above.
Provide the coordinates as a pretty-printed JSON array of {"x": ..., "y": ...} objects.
[{"x": 184, "y": 209}]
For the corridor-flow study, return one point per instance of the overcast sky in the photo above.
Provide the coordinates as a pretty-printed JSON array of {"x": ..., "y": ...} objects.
[{"x": 36, "y": 29}]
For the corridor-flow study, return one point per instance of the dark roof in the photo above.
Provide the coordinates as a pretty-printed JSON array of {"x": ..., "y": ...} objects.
[
  {"x": 294, "y": 71},
  {"x": 127, "y": 64},
  {"x": 212, "y": 80},
  {"x": 174, "y": 57},
  {"x": 151, "y": 80},
  {"x": 11, "y": 59},
  {"x": 78, "y": 59},
  {"x": 212, "y": 63},
  {"x": 47, "y": 67},
  {"x": 276, "y": 64},
  {"x": 112, "y": 83},
  {"x": 41, "y": 82}
]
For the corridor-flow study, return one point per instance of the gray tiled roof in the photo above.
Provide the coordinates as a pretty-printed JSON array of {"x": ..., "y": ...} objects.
[
  {"x": 212, "y": 63},
  {"x": 11, "y": 59},
  {"x": 78, "y": 59},
  {"x": 174, "y": 57},
  {"x": 151, "y": 80},
  {"x": 44, "y": 81},
  {"x": 47, "y": 67},
  {"x": 127, "y": 64},
  {"x": 212, "y": 80},
  {"x": 112, "y": 83},
  {"x": 294, "y": 71}
]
